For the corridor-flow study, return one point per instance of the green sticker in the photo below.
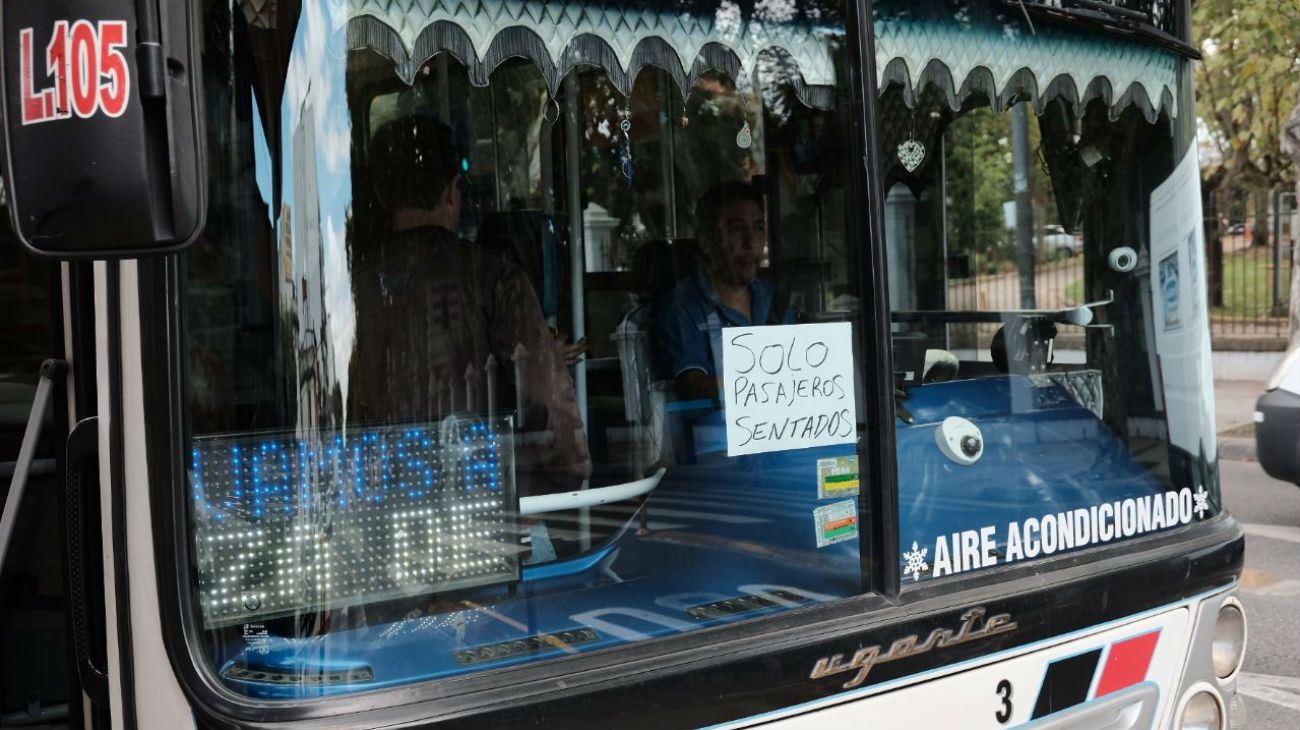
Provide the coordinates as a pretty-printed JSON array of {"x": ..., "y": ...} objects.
[{"x": 837, "y": 477}]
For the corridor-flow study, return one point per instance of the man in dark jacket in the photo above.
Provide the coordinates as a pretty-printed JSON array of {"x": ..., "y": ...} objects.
[{"x": 444, "y": 326}]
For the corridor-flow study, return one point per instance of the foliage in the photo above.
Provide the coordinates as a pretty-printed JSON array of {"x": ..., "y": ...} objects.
[
  {"x": 1248, "y": 83},
  {"x": 1248, "y": 284},
  {"x": 980, "y": 178}
]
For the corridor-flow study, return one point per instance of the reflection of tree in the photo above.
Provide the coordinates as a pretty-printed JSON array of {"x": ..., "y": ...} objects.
[
  {"x": 980, "y": 179},
  {"x": 520, "y": 96},
  {"x": 693, "y": 140}
]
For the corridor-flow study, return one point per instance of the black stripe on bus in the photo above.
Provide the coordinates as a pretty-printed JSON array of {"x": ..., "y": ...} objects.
[
  {"x": 1066, "y": 683},
  {"x": 117, "y": 482}
]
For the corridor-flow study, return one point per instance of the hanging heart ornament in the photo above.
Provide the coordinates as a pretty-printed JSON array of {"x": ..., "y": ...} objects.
[
  {"x": 911, "y": 153},
  {"x": 744, "y": 138}
]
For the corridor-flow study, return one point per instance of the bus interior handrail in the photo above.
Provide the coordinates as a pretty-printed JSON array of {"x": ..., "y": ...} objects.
[{"x": 590, "y": 497}]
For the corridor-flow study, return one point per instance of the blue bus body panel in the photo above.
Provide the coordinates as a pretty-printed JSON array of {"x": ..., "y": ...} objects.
[{"x": 726, "y": 529}]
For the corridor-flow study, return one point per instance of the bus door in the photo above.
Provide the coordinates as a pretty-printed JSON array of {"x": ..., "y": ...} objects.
[
  {"x": 37, "y": 684},
  {"x": 99, "y": 163}
]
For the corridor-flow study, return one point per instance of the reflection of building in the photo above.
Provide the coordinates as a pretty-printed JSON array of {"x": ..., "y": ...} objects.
[
  {"x": 315, "y": 362},
  {"x": 598, "y": 228},
  {"x": 286, "y": 258}
]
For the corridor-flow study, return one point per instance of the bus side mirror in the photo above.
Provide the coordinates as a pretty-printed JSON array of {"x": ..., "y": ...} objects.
[{"x": 103, "y": 140}]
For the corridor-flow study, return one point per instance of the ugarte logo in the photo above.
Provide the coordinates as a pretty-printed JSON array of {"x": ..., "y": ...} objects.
[{"x": 973, "y": 628}]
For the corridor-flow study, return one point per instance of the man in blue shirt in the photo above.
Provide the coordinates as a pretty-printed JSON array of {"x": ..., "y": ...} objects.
[{"x": 731, "y": 226}]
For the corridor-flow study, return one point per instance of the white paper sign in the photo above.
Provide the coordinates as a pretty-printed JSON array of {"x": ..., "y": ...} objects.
[
  {"x": 1178, "y": 291},
  {"x": 788, "y": 387}
]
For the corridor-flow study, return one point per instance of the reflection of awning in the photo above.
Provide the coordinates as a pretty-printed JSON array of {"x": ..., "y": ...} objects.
[
  {"x": 1006, "y": 64},
  {"x": 621, "y": 40}
]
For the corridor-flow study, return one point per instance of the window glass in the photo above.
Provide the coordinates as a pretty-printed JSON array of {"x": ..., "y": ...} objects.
[
  {"x": 25, "y": 334},
  {"x": 32, "y": 594},
  {"x": 506, "y": 348},
  {"x": 1050, "y": 322}
]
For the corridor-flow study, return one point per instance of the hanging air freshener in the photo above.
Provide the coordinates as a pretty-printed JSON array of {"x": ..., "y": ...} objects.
[
  {"x": 629, "y": 170},
  {"x": 745, "y": 137},
  {"x": 911, "y": 153}
]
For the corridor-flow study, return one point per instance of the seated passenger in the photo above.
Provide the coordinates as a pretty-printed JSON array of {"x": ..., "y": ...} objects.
[
  {"x": 446, "y": 320},
  {"x": 731, "y": 226}
]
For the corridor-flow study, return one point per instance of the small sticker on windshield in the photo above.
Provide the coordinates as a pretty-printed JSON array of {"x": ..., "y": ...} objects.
[
  {"x": 836, "y": 522},
  {"x": 837, "y": 477},
  {"x": 257, "y": 638}
]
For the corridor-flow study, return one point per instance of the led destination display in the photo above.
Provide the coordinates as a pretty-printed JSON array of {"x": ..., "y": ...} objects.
[{"x": 287, "y": 523}]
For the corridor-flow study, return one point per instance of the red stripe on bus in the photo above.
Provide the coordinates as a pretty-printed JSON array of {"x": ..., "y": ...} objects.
[{"x": 1127, "y": 663}]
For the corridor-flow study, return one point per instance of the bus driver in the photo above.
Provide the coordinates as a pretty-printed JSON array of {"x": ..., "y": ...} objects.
[{"x": 731, "y": 225}]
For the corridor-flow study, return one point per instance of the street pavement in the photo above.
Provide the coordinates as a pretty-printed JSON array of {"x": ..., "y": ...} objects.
[
  {"x": 1269, "y": 511},
  {"x": 1270, "y": 591},
  {"x": 1234, "y": 402}
]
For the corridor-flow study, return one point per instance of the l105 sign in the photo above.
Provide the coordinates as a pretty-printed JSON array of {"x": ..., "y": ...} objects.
[{"x": 85, "y": 71}]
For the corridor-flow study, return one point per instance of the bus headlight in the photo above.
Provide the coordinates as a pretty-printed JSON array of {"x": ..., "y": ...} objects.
[
  {"x": 1229, "y": 640},
  {"x": 1202, "y": 713}
]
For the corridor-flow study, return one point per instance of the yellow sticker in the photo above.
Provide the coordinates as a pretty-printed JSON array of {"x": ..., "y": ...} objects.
[{"x": 837, "y": 477}]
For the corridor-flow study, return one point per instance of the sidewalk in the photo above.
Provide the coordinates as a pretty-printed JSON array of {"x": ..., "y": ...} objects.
[
  {"x": 1239, "y": 382},
  {"x": 1234, "y": 414}
]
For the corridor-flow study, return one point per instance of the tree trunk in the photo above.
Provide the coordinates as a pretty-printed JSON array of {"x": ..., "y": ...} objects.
[
  {"x": 1213, "y": 236},
  {"x": 1291, "y": 146},
  {"x": 1262, "y": 230},
  {"x": 1025, "y": 262}
]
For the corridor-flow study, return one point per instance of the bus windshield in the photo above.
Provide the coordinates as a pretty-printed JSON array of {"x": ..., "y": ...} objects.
[
  {"x": 526, "y": 330},
  {"x": 461, "y": 279},
  {"x": 1045, "y": 269}
]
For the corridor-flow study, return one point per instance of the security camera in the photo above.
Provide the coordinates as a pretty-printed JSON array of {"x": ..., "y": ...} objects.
[
  {"x": 960, "y": 440},
  {"x": 1123, "y": 259}
]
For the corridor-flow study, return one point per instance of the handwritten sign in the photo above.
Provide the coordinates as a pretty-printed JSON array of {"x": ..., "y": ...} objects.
[{"x": 788, "y": 387}]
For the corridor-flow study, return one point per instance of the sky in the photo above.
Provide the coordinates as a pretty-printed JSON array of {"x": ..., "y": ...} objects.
[{"x": 317, "y": 67}]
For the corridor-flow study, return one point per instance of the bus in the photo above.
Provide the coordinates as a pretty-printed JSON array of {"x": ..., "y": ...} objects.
[{"x": 596, "y": 364}]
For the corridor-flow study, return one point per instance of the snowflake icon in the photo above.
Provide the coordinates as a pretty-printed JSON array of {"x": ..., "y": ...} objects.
[
  {"x": 1202, "y": 504},
  {"x": 916, "y": 561}
]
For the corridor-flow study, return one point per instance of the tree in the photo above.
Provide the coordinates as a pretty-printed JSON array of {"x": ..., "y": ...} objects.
[
  {"x": 1247, "y": 84},
  {"x": 1291, "y": 146}
]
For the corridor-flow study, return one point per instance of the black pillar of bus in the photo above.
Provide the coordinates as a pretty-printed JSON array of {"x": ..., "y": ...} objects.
[
  {"x": 1185, "y": 139},
  {"x": 877, "y": 456},
  {"x": 1185, "y": 124},
  {"x": 1022, "y": 155}
]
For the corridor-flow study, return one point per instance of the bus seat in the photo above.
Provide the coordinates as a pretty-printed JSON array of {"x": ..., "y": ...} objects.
[{"x": 657, "y": 267}]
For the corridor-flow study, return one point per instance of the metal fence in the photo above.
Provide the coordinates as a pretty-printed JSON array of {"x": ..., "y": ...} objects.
[
  {"x": 993, "y": 283},
  {"x": 1249, "y": 275}
]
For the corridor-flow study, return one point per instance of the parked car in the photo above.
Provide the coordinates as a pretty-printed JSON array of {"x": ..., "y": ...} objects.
[
  {"x": 1277, "y": 421},
  {"x": 1057, "y": 240},
  {"x": 1236, "y": 229}
]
